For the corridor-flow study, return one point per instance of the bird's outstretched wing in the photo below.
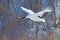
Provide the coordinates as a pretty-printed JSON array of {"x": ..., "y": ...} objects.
[
  {"x": 27, "y": 10},
  {"x": 44, "y": 12}
]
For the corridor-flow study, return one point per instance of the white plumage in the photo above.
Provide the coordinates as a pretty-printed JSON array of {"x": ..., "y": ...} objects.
[{"x": 34, "y": 16}]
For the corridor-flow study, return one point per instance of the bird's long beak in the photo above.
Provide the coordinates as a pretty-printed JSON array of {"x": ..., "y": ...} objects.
[{"x": 20, "y": 17}]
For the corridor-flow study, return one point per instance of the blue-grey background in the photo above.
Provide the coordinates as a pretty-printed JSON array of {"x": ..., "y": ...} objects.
[{"x": 12, "y": 28}]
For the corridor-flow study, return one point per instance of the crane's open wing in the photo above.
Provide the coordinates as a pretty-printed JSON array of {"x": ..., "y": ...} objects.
[
  {"x": 43, "y": 13},
  {"x": 27, "y": 10},
  {"x": 40, "y": 14}
]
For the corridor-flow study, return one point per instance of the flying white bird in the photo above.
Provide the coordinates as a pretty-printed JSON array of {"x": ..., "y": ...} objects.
[{"x": 35, "y": 16}]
